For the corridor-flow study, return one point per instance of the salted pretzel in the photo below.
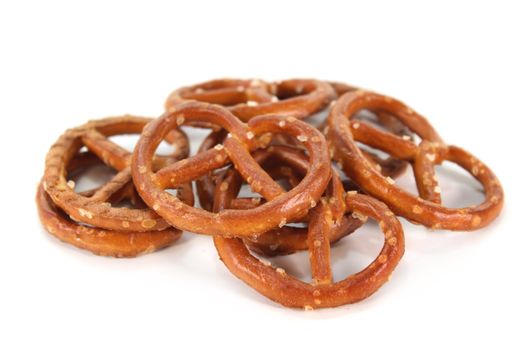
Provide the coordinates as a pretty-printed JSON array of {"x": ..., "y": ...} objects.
[
  {"x": 282, "y": 162},
  {"x": 283, "y": 288},
  {"x": 243, "y": 138},
  {"x": 390, "y": 166},
  {"x": 94, "y": 208},
  {"x": 100, "y": 241},
  {"x": 343, "y": 132},
  {"x": 97, "y": 240},
  {"x": 246, "y": 99}
]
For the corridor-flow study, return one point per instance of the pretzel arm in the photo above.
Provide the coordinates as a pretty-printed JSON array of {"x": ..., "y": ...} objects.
[
  {"x": 109, "y": 152},
  {"x": 257, "y": 178},
  {"x": 385, "y": 141},
  {"x": 425, "y": 175},
  {"x": 319, "y": 245},
  {"x": 191, "y": 168},
  {"x": 118, "y": 181}
]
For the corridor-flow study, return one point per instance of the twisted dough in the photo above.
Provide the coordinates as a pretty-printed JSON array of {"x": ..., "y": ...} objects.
[
  {"x": 257, "y": 133},
  {"x": 246, "y": 99},
  {"x": 426, "y": 209},
  {"x": 95, "y": 209},
  {"x": 282, "y": 162},
  {"x": 277, "y": 285}
]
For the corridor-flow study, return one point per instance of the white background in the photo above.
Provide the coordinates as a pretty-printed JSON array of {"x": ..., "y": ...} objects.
[{"x": 61, "y": 63}]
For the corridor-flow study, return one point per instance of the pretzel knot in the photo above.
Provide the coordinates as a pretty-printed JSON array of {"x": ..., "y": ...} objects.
[
  {"x": 277, "y": 285},
  {"x": 250, "y": 98},
  {"x": 344, "y": 131},
  {"x": 281, "y": 162},
  {"x": 242, "y": 139},
  {"x": 95, "y": 208}
]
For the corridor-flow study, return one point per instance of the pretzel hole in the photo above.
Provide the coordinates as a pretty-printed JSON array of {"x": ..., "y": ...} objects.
[
  {"x": 375, "y": 151},
  {"x": 247, "y": 191},
  {"x": 318, "y": 119},
  {"x": 458, "y": 188},
  {"x": 91, "y": 177},
  {"x": 196, "y": 135},
  {"x": 124, "y": 203},
  {"x": 172, "y": 191},
  {"x": 298, "y": 224},
  {"x": 348, "y": 256},
  {"x": 407, "y": 182},
  {"x": 296, "y": 264},
  {"x": 385, "y": 122},
  {"x": 356, "y": 251}
]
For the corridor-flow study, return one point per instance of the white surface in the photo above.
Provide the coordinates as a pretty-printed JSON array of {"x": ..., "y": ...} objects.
[{"x": 62, "y": 63}]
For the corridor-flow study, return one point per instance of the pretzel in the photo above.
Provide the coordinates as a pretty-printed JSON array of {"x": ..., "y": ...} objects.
[
  {"x": 278, "y": 286},
  {"x": 246, "y": 99},
  {"x": 243, "y": 138},
  {"x": 94, "y": 208},
  {"x": 282, "y": 162},
  {"x": 100, "y": 241},
  {"x": 425, "y": 209},
  {"x": 390, "y": 166}
]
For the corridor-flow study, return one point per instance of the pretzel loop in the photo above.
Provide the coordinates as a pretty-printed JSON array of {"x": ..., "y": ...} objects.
[
  {"x": 98, "y": 240},
  {"x": 247, "y": 99},
  {"x": 277, "y": 285},
  {"x": 425, "y": 209},
  {"x": 95, "y": 209},
  {"x": 245, "y": 138}
]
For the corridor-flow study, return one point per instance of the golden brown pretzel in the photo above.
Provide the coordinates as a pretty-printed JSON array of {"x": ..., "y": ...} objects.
[
  {"x": 101, "y": 241},
  {"x": 97, "y": 240},
  {"x": 426, "y": 209},
  {"x": 292, "y": 164},
  {"x": 249, "y": 98},
  {"x": 95, "y": 208},
  {"x": 257, "y": 133},
  {"x": 277, "y": 285},
  {"x": 390, "y": 166}
]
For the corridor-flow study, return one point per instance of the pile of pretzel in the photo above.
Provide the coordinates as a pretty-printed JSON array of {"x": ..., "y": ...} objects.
[{"x": 300, "y": 200}]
